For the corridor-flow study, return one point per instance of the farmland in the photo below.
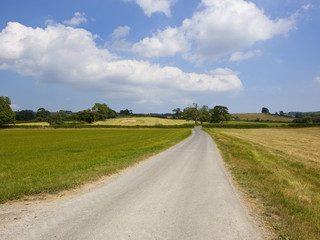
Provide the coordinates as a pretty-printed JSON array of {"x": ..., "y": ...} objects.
[
  {"x": 34, "y": 161},
  {"x": 279, "y": 169},
  {"x": 145, "y": 121}
]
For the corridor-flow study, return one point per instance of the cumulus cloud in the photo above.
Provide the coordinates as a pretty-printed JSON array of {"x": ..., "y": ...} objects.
[
  {"x": 239, "y": 56},
  {"x": 76, "y": 20},
  {"x": 152, "y": 6},
  {"x": 216, "y": 29},
  {"x": 164, "y": 43},
  {"x": 317, "y": 79},
  {"x": 65, "y": 55}
]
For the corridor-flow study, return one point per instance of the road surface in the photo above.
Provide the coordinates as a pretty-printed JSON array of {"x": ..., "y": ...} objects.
[{"x": 182, "y": 193}]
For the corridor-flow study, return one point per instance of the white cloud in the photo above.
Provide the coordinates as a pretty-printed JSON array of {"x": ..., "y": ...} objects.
[
  {"x": 120, "y": 32},
  {"x": 69, "y": 56},
  {"x": 164, "y": 43},
  {"x": 76, "y": 20},
  {"x": 317, "y": 79},
  {"x": 152, "y": 6},
  {"x": 239, "y": 56},
  {"x": 217, "y": 29}
]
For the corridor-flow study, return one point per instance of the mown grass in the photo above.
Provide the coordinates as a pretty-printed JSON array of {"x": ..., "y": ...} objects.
[
  {"x": 145, "y": 121},
  {"x": 48, "y": 160},
  {"x": 280, "y": 168}
]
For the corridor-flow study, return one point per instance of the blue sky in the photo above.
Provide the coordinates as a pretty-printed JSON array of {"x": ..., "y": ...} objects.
[{"x": 156, "y": 55}]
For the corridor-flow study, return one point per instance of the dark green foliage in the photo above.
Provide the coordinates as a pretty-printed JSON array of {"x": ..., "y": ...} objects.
[
  {"x": 265, "y": 110},
  {"x": 25, "y": 115},
  {"x": 103, "y": 111},
  {"x": 87, "y": 116},
  {"x": 219, "y": 114},
  {"x": 7, "y": 116},
  {"x": 126, "y": 112},
  {"x": 43, "y": 113}
]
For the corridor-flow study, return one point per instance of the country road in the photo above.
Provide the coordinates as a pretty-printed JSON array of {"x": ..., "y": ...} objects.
[{"x": 182, "y": 193}]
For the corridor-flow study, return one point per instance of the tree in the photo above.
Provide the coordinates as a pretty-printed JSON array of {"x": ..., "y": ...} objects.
[
  {"x": 191, "y": 113},
  {"x": 6, "y": 113},
  {"x": 178, "y": 113},
  {"x": 87, "y": 115},
  {"x": 219, "y": 114},
  {"x": 42, "y": 113},
  {"x": 265, "y": 110},
  {"x": 204, "y": 114},
  {"x": 281, "y": 113},
  {"x": 103, "y": 111},
  {"x": 126, "y": 112}
]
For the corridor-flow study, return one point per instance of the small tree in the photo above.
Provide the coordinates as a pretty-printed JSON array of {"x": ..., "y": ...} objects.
[
  {"x": 281, "y": 113},
  {"x": 6, "y": 113},
  {"x": 265, "y": 110}
]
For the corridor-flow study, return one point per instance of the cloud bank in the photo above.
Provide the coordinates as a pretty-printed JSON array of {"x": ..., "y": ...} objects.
[{"x": 65, "y": 55}]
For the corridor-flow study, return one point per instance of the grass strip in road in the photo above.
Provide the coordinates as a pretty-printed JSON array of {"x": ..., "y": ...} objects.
[
  {"x": 34, "y": 161},
  {"x": 280, "y": 169}
]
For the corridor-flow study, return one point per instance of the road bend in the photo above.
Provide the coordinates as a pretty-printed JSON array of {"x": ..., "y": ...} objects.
[{"x": 182, "y": 193}]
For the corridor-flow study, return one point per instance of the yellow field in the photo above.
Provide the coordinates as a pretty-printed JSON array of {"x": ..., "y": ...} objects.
[
  {"x": 146, "y": 121},
  {"x": 261, "y": 116},
  {"x": 44, "y": 124}
]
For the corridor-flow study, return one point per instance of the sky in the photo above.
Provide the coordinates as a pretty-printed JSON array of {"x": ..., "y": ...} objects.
[{"x": 152, "y": 56}]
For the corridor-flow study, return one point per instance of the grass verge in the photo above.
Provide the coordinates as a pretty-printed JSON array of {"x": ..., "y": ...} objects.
[
  {"x": 47, "y": 160},
  {"x": 280, "y": 169}
]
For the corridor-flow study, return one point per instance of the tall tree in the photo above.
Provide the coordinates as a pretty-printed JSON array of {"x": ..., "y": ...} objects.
[
  {"x": 191, "y": 113},
  {"x": 6, "y": 113},
  {"x": 219, "y": 114}
]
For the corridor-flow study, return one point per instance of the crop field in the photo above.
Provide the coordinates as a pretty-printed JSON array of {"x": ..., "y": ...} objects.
[
  {"x": 145, "y": 121},
  {"x": 279, "y": 169},
  {"x": 50, "y": 160},
  {"x": 43, "y": 124},
  {"x": 261, "y": 116}
]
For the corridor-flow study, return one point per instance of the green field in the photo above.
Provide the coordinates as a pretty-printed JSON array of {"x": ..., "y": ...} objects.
[
  {"x": 261, "y": 116},
  {"x": 49, "y": 160},
  {"x": 278, "y": 169},
  {"x": 145, "y": 121}
]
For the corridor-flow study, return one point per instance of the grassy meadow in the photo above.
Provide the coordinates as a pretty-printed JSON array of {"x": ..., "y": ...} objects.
[
  {"x": 280, "y": 170},
  {"x": 145, "y": 121},
  {"x": 34, "y": 161}
]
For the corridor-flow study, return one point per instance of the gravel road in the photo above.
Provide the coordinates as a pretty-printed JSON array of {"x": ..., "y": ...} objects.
[{"x": 182, "y": 193}]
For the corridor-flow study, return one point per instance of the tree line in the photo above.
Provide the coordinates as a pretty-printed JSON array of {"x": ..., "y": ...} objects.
[{"x": 218, "y": 114}]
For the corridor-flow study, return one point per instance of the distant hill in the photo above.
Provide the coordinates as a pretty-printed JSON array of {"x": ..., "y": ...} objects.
[{"x": 261, "y": 116}]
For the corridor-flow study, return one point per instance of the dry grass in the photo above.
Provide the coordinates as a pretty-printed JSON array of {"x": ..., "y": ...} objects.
[
  {"x": 280, "y": 168},
  {"x": 261, "y": 116}
]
